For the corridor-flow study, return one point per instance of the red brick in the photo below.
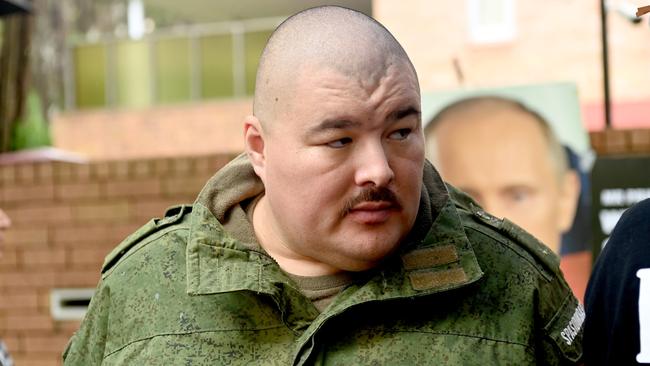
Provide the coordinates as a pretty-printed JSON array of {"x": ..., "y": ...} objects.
[
  {"x": 597, "y": 141},
  {"x": 146, "y": 187},
  {"x": 25, "y": 323},
  {"x": 49, "y": 343},
  {"x": 161, "y": 167},
  {"x": 42, "y": 214},
  {"x": 190, "y": 186},
  {"x": 204, "y": 165},
  {"x": 63, "y": 172},
  {"x": 19, "y": 301},
  {"x": 93, "y": 234},
  {"x": 20, "y": 280},
  {"x": 182, "y": 166},
  {"x": 44, "y": 192},
  {"x": 105, "y": 211},
  {"x": 21, "y": 236},
  {"x": 8, "y": 258},
  {"x": 81, "y": 172},
  {"x": 222, "y": 159},
  {"x": 78, "y": 191},
  {"x": 37, "y": 359},
  {"x": 101, "y": 170},
  {"x": 640, "y": 141},
  {"x": 47, "y": 278},
  {"x": 26, "y": 173},
  {"x": 77, "y": 278},
  {"x": 67, "y": 327},
  {"x": 141, "y": 168},
  {"x": 43, "y": 299},
  {"x": 119, "y": 169},
  {"x": 7, "y": 174},
  {"x": 45, "y": 172},
  {"x": 88, "y": 256},
  {"x": 43, "y": 258},
  {"x": 616, "y": 142},
  {"x": 151, "y": 209}
]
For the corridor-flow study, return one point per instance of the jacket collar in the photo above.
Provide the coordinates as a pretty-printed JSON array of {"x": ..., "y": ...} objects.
[{"x": 439, "y": 259}]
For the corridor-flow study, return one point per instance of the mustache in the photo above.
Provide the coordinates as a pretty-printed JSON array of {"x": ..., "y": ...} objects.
[{"x": 372, "y": 194}]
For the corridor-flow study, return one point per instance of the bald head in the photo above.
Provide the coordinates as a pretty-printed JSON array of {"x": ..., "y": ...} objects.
[
  {"x": 508, "y": 159},
  {"x": 328, "y": 37},
  {"x": 475, "y": 109}
]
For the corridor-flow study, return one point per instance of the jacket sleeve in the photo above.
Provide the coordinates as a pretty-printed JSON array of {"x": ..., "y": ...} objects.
[
  {"x": 561, "y": 341},
  {"x": 86, "y": 347},
  {"x": 560, "y": 316}
]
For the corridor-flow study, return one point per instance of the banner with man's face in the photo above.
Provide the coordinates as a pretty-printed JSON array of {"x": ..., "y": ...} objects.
[{"x": 523, "y": 153}]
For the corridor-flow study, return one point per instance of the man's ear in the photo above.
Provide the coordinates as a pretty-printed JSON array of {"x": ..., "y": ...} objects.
[
  {"x": 569, "y": 199},
  {"x": 254, "y": 144}
]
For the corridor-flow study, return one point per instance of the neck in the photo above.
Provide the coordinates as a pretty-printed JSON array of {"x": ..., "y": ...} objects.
[{"x": 274, "y": 243}]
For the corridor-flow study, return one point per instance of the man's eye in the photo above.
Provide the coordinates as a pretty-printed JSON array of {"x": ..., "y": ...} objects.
[
  {"x": 518, "y": 195},
  {"x": 400, "y": 134},
  {"x": 337, "y": 144}
]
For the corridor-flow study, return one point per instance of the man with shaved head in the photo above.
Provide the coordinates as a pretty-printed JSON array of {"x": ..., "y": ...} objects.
[
  {"x": 506, "y": 156},
  {"x": 331, "y": 240}
]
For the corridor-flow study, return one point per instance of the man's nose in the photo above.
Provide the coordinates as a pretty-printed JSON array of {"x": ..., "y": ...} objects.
[{"x": 373, "y": 167}]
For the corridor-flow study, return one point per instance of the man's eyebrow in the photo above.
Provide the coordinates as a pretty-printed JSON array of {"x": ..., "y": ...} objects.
[
  {"x": 333, "y": 124},
  {"x": 401, "y": 113},
  {"x": 339, "y": 124}
]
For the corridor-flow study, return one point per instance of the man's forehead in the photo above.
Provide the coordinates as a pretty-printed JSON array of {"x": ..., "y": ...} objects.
[
  {"x": 357, "y": 72},
  {"x": 489, "y": 126},
  {"x": 391, "y": 92}
]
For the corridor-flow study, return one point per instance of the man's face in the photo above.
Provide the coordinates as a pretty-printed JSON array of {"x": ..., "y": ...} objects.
[
  {"x": 343, "y": 166},
  {"x": 502, "y": 159}
]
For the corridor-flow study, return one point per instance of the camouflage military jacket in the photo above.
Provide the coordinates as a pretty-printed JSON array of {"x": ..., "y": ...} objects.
[{"x": 475, "y": 290}]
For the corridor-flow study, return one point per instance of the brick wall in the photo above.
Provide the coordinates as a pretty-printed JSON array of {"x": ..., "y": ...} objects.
[
  {"x": 621, "y": 142},
  {"x": 187, "y": 129},
  {"x": 65, "y": 218}
]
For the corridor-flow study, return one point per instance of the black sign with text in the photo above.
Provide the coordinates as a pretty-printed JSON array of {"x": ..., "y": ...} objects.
[{"x": 617, "y": 182}]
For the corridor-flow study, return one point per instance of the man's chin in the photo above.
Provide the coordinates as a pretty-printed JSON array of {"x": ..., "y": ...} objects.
[{"x": 369, "y": 254}]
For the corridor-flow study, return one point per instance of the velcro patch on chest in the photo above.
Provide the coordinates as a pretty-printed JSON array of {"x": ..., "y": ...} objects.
[
  {"x": 426, "y": 280},
  {"x": 430, "y": 257}
]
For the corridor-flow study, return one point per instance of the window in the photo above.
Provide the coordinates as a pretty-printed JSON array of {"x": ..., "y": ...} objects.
[
  {"x": 70, "y": 304},
  {"x": 194, "y": 63},
  {"x": 491, "y": 21}
]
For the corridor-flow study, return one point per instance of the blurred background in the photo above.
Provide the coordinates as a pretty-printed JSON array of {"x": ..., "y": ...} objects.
[{"x": 113, "y": 110}]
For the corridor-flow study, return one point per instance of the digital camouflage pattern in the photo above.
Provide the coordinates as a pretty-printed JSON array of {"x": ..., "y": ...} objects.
[{"x": 475, "y": 290}]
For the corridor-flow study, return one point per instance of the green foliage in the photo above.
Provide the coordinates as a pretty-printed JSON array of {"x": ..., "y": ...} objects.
[{"x": 32, "y": 130}]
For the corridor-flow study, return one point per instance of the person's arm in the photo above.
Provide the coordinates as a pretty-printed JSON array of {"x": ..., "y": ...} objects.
[
  {"x": 561, "y": 340},
  {"x": 614, "y": 329}
]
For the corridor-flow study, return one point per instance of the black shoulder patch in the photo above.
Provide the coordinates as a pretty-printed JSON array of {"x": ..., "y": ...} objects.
[{"x": 172, "y": 215}]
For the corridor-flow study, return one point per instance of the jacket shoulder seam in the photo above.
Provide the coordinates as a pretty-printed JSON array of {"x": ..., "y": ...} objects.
[
  {"x": 143, "y": 243},
  {"x": 514, "y": 248}
]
